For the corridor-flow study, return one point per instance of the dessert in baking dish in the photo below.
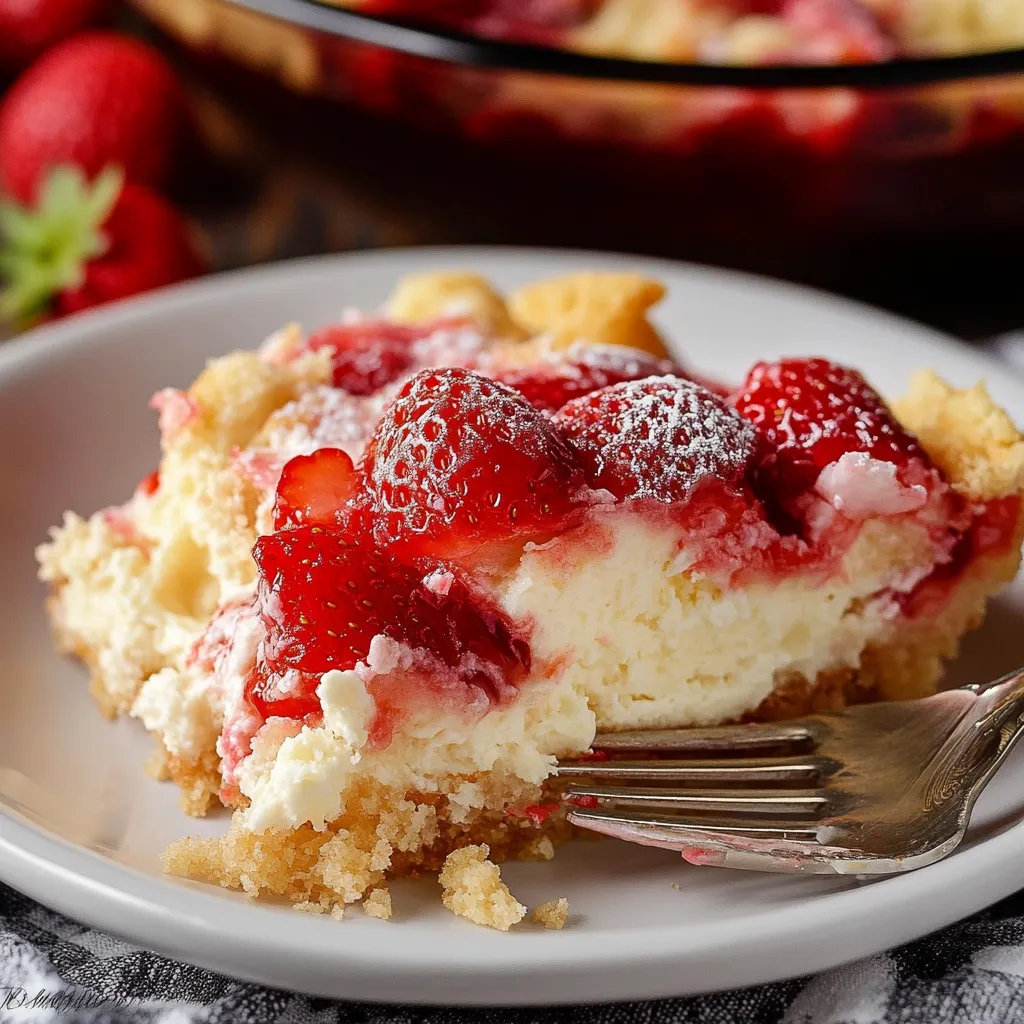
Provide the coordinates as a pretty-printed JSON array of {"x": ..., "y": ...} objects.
[
  {"x": 387, "y": 573},
  {"x": 733, "y": 31}
]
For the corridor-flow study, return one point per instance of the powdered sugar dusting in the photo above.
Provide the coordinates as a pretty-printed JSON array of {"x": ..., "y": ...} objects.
[
  {"x": 619, "y": 359},
  {"x": 323, "y": 417},
  {"x": 451, "y": 344},
  {"x": 657, "y": 438},
  {"x": 446, "y": 431}
]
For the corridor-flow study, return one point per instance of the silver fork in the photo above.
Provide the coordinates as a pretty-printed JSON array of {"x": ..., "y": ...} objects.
[{"x": 876, "y": 789}]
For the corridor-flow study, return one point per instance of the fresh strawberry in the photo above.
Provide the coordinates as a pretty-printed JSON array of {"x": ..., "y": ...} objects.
[
  {"x": 458, "y": 461},
  {"x": 657, "y": 438},
  {"x": 549, "y": 386},
  {"x": 368, "y": 354},
  {"x": 94, "y": 101},
  {"x": 28, "y": 27},
  {"x": 812, "y": 412},
  {"x": 313, "y": 489},
  {"x": 325, "y": 594},
  {"x": 85, "y": 245}
]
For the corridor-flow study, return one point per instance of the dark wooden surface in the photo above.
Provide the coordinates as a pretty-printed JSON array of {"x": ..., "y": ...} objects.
[{"x": 291, "y": 177}]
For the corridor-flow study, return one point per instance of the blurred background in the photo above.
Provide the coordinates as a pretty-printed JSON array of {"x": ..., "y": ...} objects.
[{"x": 871, "y": 147}]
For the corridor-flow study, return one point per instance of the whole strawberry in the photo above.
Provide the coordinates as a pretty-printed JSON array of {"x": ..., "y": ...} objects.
[
  {"x": 459, "y": 463},
  {"x": 813, "y": 412},
  {"x": 658, "y": 439},
  {"x": 83, "y": 245},
  {"x": 94, "y": 101},
  {"x": 30, "y": 27}
]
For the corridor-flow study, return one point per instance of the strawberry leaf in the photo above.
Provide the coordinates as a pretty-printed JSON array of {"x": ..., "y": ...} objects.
[{"x": 45, "y": 249}]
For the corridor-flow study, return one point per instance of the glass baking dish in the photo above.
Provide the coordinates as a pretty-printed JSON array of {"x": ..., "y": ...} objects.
[{"x": 915, "y": 147}]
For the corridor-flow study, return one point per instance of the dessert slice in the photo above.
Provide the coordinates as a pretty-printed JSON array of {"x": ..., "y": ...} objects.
[{"x": 389, "y": 573}]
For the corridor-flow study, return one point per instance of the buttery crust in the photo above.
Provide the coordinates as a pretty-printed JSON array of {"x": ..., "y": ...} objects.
[
  {"x": 970, "y": 438},
  {"x": 420, "y": 298},
  {"x": 385, "y": 833},
  {"x": 601, "y": 308}
]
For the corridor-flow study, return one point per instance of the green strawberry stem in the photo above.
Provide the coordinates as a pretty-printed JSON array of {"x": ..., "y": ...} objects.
[{"x": 44, "y": 250}]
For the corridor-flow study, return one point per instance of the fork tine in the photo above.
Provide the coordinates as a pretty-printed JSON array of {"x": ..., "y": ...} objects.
[
  {"x": 676, "y": 829},
  {"x": 807, "y": 802},
  {"x": 725, "y": 770},
  {"x": 726, "y": 738}
]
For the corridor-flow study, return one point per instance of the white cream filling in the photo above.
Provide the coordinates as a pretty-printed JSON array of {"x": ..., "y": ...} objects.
[
  {"x": 861, "y": 487},
  {"x": 643, "y": 645}
]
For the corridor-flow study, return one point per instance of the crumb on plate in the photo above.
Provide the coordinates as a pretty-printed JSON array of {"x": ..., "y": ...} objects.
[
  {"x": 553, "y": 914},
  {"x": 378, "y": 904},
  {"x": 473, "y": 889}
]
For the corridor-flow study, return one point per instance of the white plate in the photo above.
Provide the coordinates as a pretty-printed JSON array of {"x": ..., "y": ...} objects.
[{"x": 82, "y": 827}]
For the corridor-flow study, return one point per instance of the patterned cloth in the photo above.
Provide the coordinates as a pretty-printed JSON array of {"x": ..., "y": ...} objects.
[{"x": 56, "y": 971}]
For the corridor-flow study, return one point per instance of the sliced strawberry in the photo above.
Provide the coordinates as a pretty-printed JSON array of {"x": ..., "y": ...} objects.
[
  {"x": 549, "y": 386},
  {"x": 657, "y": 438},
  {"x": 325, "y": 594},
  {"x": 812, "y": 412},
  {"x": 368, "y": 354},
  {"x": 313, "y": 489},
  {"x": 458, "y": 461}
]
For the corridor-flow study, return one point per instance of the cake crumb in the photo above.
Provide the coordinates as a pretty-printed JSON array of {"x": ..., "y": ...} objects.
[
  {"x": 553, "y": 914},
  {"x": 676, "y": 886},
  {"x": 540, "y": 849},
  {"x": 378, "y": 904},
  {"x": 156, "y": 766},
  {"x": 324, "y": 905},
  {"x": 473, "y": 889}
]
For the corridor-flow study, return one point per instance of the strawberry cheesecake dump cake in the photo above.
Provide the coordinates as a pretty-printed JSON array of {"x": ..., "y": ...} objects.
[
  {"x": 741, "y": 32},
  {"x": 387, "y": 573}
]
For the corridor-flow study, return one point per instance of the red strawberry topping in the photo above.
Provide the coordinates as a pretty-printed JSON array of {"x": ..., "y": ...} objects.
[
  {"x": 657, "y": 438},
  {"x": 812, "y": 412},
  {"x": 325, "y": 594},
  {"x": 368, "y": 354},
  {"x": 458, "y": 461},
  {"x": 313, "y": 489},
  {"x": 149, "y": 484},
  {"x": 549, "y": 386}
]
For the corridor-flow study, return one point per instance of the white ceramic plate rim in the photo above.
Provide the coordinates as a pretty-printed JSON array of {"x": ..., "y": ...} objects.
[{"x": 236, "y": 938}]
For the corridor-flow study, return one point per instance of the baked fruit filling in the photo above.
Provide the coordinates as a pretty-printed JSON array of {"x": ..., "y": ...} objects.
[
  {"x": 730, "y": 31},
  {"x": 388, "y": 573}
]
